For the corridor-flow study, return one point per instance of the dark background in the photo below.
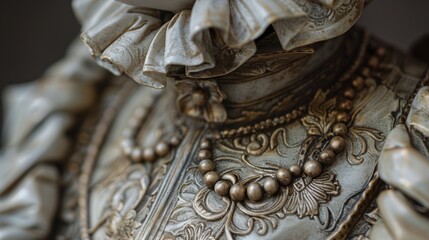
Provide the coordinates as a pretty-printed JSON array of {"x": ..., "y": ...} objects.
[{"x": 34, "y": 34}]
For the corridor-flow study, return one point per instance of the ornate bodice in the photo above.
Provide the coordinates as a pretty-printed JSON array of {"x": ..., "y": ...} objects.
[{"x": 110, "y": 196}]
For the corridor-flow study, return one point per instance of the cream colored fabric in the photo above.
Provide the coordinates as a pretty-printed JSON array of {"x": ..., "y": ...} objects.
[
  {"x": 38, "y": 114},
  {"x": 212, "y": 39}
]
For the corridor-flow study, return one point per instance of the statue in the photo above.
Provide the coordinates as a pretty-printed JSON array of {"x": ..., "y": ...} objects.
[{"x": 263, "y": 119}]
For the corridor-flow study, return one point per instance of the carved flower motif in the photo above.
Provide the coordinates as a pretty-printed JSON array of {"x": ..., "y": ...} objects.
[{"x": 202, "y": 100}]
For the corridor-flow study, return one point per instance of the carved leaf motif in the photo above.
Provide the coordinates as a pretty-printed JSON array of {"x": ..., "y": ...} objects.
[
  {"x": 306, "y": 198},
  {"x": 195, "y": 232},
  {"x": 202, "y": 208},
  {"x": 320, "y": 113}
]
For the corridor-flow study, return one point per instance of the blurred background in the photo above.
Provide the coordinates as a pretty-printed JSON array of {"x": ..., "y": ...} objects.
[{"x": 34, "y": 34}]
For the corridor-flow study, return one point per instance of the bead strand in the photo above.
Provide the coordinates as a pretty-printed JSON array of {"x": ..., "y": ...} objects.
[
  {"x": 136, "y": 153},
  {"x": 328, "y": 149}
]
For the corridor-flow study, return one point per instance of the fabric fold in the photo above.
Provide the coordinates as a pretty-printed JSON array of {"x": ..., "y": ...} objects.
[{"x": 212, "y": 39}]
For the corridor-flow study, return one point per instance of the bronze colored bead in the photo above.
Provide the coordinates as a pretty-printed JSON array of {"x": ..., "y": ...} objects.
[
  {"x": 337, "y": 144},
  {"x": 149, "y": 155},
  {"x": 381, "y": 52},
  {"x": 136, "y": 154},
  {"x": 282, "y": 119},
  {"x": 346, "y": 105},
  {"x": 366, "y": 72},
  {"x": 222, "y": 187},
  {"x": 175, "y": 141},
  {"x": 162, "y": 149},
  {"x": 340, "y": 129},
  {"x": 373, "y": 62},
  {"x": 312, "y": 168},
  {"x": 327, "y": 156},
  {"x": 358, "y": 82},
  {"x": 206, "y": 166},
  {"x": 295, "y": 170},
  {"x": 271, "y": 186},
  {"x": 288, "y": 117},
  {"x": 350, "y": 93},
  {"x": 237, "y": 192},
  {"x": 343, "y": 117},
  {"x": 205, "y": 144},
  {"x": 211, "y": 179},
  {"x": 255, "y": 192},
  {"x": 204, "y": 154},
  {"x": 284, "y": 176}
]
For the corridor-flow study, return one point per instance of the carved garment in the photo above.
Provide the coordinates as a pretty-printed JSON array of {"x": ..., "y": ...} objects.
[{"x": 118, "y": 199}]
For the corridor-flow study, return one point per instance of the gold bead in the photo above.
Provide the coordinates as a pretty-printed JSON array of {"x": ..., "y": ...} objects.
[
  {"x": 255, "y": 192},
  {"x": 284, "y": 176},
  {"x": 237, "y": 192},
  {"x": 327, "y": 156},
  {"x": 136, "y": 154},
  {"x": 366, "y": 72},
  {"x": 373, "y": 62},
  {"x": 358, "y": 83},
  {"x": 222, "y": 187},
  {"x": 175, "y": 141},
  {"x": 271, "y": 186},
  {"x": 211, "y": 178},
  {"x": 381, "y": 52},
  {"x": 343, "y": 117},
  {"x": 350, "y": 93},
  {"x": 340, "y": 129},
  {"x": 204, "y": 154},
  {"x": 205, "y": 144},
  {"x": 312, "y": 168},
  {"x": 337, "y": 144},
  {"x": 295, "y": 170},
  {"x": 206, "y": 166},
  {"x": 149, "y": 155},
  {"x": 346, "y": 105},
  {"x": 162, "y": 149}
]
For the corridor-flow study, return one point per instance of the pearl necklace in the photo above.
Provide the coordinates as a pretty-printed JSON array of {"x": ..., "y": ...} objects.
[
  {"x": 325, "y": 153},
  {"x": 161, "y": 149}
]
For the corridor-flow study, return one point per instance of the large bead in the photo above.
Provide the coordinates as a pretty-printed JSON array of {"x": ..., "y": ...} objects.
[
  {"x": 346, "y": 105},
  {"x": 136, "y": 154},
  {"x": 343, "y": 117},
  {"x": 327, "y": 156},
  {"x": 205, "y": 144},
  {"x": 284, "y": 176},
  {"x": 211, "y": 178},
  {"x": 340, "y": 129},
  {"x": 312, "y": 168},
  {"x": 222, "y": 187},
  {"x": 255, "y": 192},
  {"x": 271, "y": 186},
  {"x": 149, "y": 155},
  {"x": 206, "y": 166},
  {"x": 295, "y": 170},
  {"x": 337, "y": 144},
  {"x": 237, "y": 192},
  {"x": 204, "y": 154},
  {"x": 162, "y": 149}
]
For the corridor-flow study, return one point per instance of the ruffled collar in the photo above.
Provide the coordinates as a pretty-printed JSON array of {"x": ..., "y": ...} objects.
[{"x": 210, "y": 40}]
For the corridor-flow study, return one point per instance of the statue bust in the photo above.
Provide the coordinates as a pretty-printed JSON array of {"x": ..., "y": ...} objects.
[{"x": 261, "y": 119}]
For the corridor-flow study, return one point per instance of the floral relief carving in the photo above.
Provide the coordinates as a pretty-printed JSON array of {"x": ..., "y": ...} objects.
[{"x": 245, "y": 157}]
